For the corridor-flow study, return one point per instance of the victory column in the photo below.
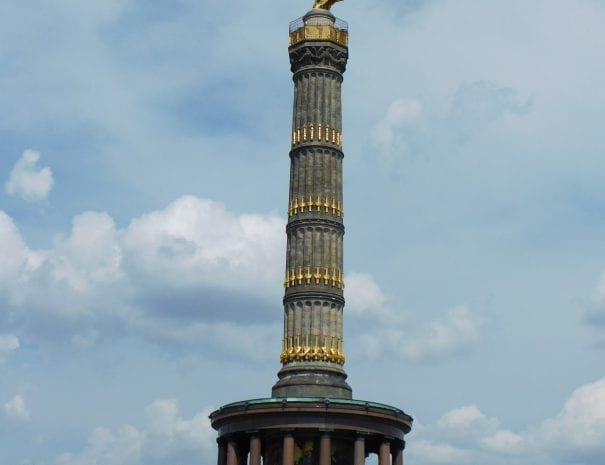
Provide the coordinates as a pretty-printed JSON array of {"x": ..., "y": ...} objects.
[{"x": 311, "y": 418}]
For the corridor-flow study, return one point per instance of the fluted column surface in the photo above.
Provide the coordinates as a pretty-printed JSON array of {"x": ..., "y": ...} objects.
[{"x": 314, "y": 283}]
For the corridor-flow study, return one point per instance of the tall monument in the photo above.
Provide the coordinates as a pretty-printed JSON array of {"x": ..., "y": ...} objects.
[{"x": 311, "y": 418}]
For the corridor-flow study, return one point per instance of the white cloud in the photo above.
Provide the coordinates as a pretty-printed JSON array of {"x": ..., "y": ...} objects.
[
  {"x": 18, "y": 261},
  {"x": 576, "y": 435},
  {"x": 393, "y": 136},
  {"x": 579, "y": 429},
  {"x": 461, "y": 417},
  {"x": 503, "y": 441},
  {"x": 442, "y": 338},
  {"x": 156, "y": 276},
  {"x": 411, "y": 127},
  {"x": 362, "y": 294},
  {"x": 394, "y": 332},
  {"x": 196, "y": 240},
  {"x": 457, "y": 331},
  {"x": 27, "y": 181},
  {"x": 16, "y": 409},
  {"x": 430, "y": 453},
  {"x": 166, "y": 438},
  {"x": 91, "y": 255},
  {"x": 108, "y": 448},
  {"x": 9, "y": 343},
  {"x": 179, "y": 274},
  {"x": 165, "y": 422},
  {"x": 401, "y": 112}
]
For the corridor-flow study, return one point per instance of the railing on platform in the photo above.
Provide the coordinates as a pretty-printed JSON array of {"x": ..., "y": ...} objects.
[{"x": 337, "y": 31}]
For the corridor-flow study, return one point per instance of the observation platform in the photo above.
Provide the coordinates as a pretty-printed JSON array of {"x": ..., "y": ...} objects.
[{"x": 320, "y": 27}]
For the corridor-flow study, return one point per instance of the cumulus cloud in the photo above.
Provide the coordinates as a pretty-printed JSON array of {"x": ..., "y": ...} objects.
[
  {"x": 411, "y": 127},
  {"x": 461, "y": 417},
  {"x": 578, "y": 431},
  {"x": 401, "y": 112},
  {"x": 394, "y": 331},
  {"x": 16, "y": 409},
  {"x": 463, "y": 427},
  {"x": 9, "y": 343},
  {"x": 397, "y": 133},
  {"x": 362, "y": 294},
  {"x": 165, "y": 438},
  {"x": 106, "y": 447},
  {"x": 197, "y": 240},
  {"x": 27, "y": 181},
  {"x": 18, "y": 261},
  {"x": 91, "y": 255},
  {"x": 430, "y": 453},
  {"x": 465, "y": 434},
  {"x": 192, "y": 272},
  {"x": 164, "y": 421},
  {"x": 457, "y": 331}
]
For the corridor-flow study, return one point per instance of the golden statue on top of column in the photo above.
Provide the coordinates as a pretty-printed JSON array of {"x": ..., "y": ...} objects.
[{"x": 324, "y": 4}]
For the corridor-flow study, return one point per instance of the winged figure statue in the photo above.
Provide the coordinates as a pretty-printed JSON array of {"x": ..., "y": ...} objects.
[{"x": 324, "y": 4}]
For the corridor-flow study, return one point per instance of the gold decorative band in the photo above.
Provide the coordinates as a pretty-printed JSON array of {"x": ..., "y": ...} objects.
[
  {"x": 330, "y": 351},
  {"x": 330, "y": 277},
  {"x": 319, "y": 32},
  {"x": 315, "y": 204},
  {"x": 317, "y": 132}
]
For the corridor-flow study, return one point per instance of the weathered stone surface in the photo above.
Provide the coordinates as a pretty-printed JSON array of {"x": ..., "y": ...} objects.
[{"x": 313, "y": 347}]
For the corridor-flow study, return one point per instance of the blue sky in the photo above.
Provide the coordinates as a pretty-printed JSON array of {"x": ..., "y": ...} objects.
[{"x": 143, "y": 173}]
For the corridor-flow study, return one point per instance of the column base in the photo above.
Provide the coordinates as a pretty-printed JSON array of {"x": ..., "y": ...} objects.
[{"x": 302, "y": 380}]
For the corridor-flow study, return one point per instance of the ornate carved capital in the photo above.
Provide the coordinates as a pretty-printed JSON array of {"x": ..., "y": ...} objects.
[{"x": 318, "y": 56}]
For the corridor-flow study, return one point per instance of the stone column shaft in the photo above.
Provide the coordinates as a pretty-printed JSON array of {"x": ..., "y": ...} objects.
[
  {"x": 325, "y": 443},
  {"x": 312, "y": 353},
  {"x": 384, "y": 453},
  {"x": 359, "y": 452},
  {"x": 222, "y": 453},
  {"x": 398, "y": 456},
  {"x": 288, "y": 450},
  {"x": 232, "y": 453},
  {"x": 255, "y": 449}
]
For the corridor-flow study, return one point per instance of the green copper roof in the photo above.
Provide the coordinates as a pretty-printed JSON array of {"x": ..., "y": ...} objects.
[{"x": 313, "y": 400}]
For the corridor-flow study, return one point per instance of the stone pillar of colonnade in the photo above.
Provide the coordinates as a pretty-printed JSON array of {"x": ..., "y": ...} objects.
[
  {"x": 398, "y": 453},
  {"x": 384, "y": 453},
  {"x": 232, "y": 458},
  {"x": 222, "y": 452},
  {"x": 288, "y": 449},
  {"x": 325, "y": 442},
  {"x": 359, "y": 450},
  {"x": 255, "y": 450}
]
